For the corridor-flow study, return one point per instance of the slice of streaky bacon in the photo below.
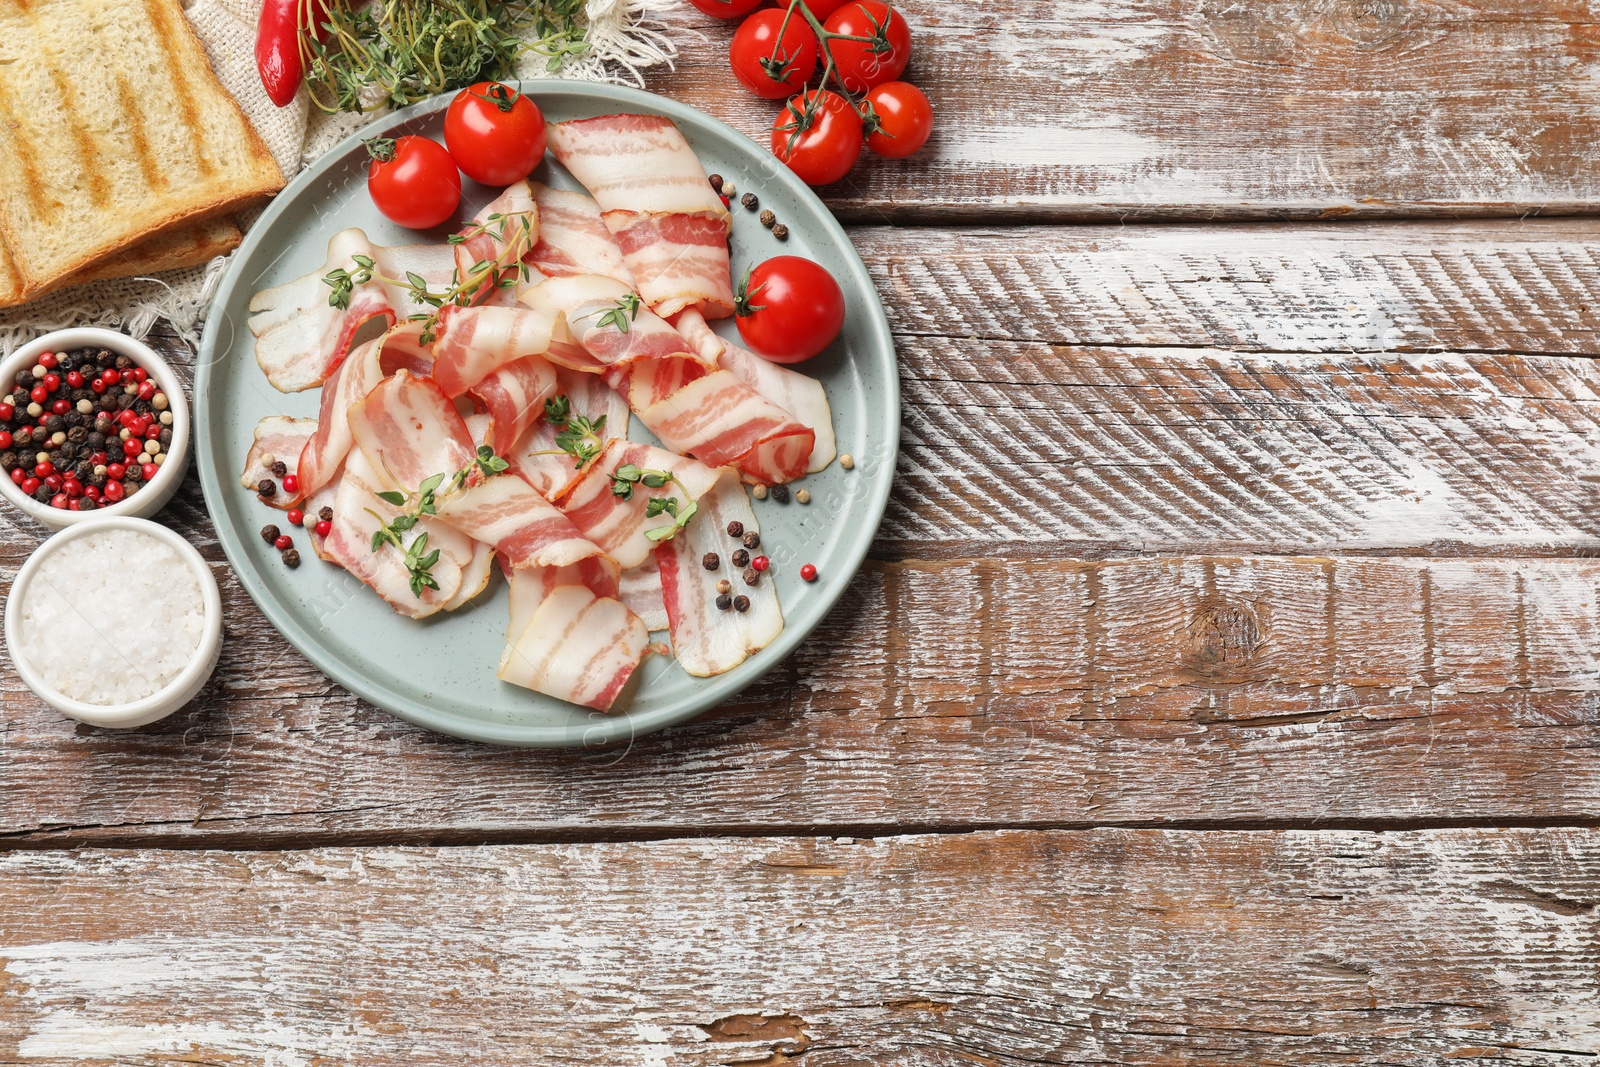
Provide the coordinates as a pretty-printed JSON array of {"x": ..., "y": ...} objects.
[
  {"x": 580, "y": 302},
  {"x": 538, "y": 460},
  {"x": 282, "y": 439},
  {"x": 301, "y": 338},
  {"x": 472, "y": 343},
  {"x": 641, "y": 591},
  {"x": 723, "y": 422},
  {"x": 358, "y": 512},
  {"x": 635, "y": 163},
  {"x": 514, "y": 397},
  {"x": 678, "y": 261},
  {"x": 800, "y": 395},
  {"x": 706, "y": 640},
  {"x": 577, "y": 647},
  {"x": 503, "y": 232},
  {"x": 408, "y": 430},
  {"x": 619, "y": 526},
  {"x": 525, "y": 529},
  {"x": 573, "y": 239},
  {"x": 357, "y": 376}
]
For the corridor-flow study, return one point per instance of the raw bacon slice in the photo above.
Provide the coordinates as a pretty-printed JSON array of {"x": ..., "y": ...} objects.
[
  {"x": 580, "y": 302},
  {"x": 322, "y": 498},
  {"x": 618, "y": 526},
  {"x": 573, "y": 239},
  {"x": 408, "y": 430},
  {"x": 678, "y": 261},
  {"x": 357, "y": 514},
  {"x": 301, "y": 338},
  {"x": 721, "y": 421},
  {"x": 589, "y": 396},
  {"x": 504, "y": 231},
  {"x": 474, "y": 576},
  {"x": 641, "y": 592},
  {"x": 798, "y": 394},
  {"x": 706, "y": 640},
  {"x": 525, "y": 529},
  {"x": 635, "y": 163},
  {"x": 514, "y": 396},
  {"x": 576, "y": 647},
  {"x": 282, "y": 438},
  {"x": 472, "y": 343},
  {"x": 358, "y": 375}
]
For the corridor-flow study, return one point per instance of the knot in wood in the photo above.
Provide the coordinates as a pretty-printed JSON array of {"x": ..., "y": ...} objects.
[{"x": 1225, "y": 634}]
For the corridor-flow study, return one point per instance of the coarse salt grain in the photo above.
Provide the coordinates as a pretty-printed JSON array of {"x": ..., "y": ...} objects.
[{"x": 111, "y": 617}]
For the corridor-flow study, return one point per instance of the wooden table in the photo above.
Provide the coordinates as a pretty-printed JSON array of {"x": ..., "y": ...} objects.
[{"x": 1223, "y": 685}]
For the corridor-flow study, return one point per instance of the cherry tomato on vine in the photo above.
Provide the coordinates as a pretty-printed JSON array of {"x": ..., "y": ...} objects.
[
  {"x": 788, "y": 309},
  {"x": 727, "y": 9},
  {"x": 413, "y": 181},
  {"x": 818, "y": 134},
  {"x": 771, "y": 59},
  {"x": 904, "y": 119},
  {"x": 863, "y": 64},
  {"x": 494, "y": 133}
]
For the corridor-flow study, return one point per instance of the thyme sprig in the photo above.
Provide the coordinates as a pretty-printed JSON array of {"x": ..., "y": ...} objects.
[
  {"x": 620, "y": 314},
  {"x": 398, "y": 52},
  {"x": 502, "y": 272},
  {"x": 577, "y": 436},
  {"x": 630, "y": 475},
  {"x": 418, "y": 560}
]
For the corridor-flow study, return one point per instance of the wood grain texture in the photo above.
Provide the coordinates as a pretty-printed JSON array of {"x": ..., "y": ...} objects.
[
  {"x": 1202, "y": 109},
  {"x": 997, "y": 949},
  {"x": 1192, "y": 692}
]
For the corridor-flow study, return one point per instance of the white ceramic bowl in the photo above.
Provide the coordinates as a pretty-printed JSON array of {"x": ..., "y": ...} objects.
[
  {"x": 180, "y": 690},
  {"x": 155, "y": 494}
]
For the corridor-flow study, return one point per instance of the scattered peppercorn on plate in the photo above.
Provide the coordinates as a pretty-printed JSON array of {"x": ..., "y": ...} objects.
[{"x": 541, "y": 411}]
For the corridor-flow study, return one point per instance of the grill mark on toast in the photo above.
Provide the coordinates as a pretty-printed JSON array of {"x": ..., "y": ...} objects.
[
  {"x": 154, "y": 177},
  {"x": 98, "y": 189},
  {"x": 161, "y": 22}
]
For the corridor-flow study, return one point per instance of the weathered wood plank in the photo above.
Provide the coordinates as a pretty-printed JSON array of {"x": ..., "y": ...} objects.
[
  {"x": 1010, "y": 948},
  {"x": 1183, "y": 109},
  {"x": 1199, "y": 691}
]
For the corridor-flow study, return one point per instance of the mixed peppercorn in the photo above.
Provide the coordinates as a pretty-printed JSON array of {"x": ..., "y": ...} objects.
[{"x": 84, "y": 429}]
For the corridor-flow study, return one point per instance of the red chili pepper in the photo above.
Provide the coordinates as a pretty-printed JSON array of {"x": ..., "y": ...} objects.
[{"x": 278, "y": 44}]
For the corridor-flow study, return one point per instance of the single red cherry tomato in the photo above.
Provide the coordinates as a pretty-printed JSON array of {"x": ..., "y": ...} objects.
[
  {"x": 863, "y": 64},
  {"x": 494, "y": 133},
  {"x": 413, "y": 181},
  {"x": 903, "y": 117},
  {"x": 770, "y": 63},
  {"x": 818, "y": 134},
  {"x": 727, "y": 9},
  {"x": 789, "y": 309}
]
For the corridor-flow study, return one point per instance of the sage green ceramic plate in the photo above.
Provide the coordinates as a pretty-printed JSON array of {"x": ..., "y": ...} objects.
[{"x": 441, "y": 673}]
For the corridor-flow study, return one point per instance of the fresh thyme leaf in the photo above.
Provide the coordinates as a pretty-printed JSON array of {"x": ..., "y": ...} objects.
[
  {"x": 620, "y": 315},
  {"x": 398, "y": 499},
  {"x": 656, "y": 479},
  {"x": 557, "y": 409},
  {"x": 662, "y": 533}
]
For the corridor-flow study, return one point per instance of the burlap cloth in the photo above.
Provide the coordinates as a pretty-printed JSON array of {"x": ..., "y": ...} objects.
[{"x": 623, "y": 42}]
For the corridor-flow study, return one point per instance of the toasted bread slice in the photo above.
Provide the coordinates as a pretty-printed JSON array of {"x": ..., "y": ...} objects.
[
  {"x": 112, "y": 128},
  {"x": 10, "y": 281},
  {"x": 188, "y": 244}
]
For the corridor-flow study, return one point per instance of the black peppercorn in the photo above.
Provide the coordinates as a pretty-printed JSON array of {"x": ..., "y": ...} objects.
[
  {"x": 103, "y": 425},
  {"x": 741, "y": 603},
  {"x": 267, "y": 487},
  {"x": 72, "y": 419},
  {"x": 326, "y": 514},
  {"x": 107, "y": 403},
  {"x": 752, "y": 540},
  {"x": 8, "y": 460},
  {"x": 724, "y": 602},
  {"x": 269, "y": 533},
  {"x": 95, "y": 440},
  {"x": 735, "y": 528},
  {"x": 135, "y": 473},
  {"x": 58, "y": 458},
  {"x": 741, "y": 558},
  {"x": 768, "y": 219},
  {"x": 781, "y": 232},
  {"x": 85, "y": 504},
  {"x": 710, "y": 561},
  {"x": 780, "y": 493},
  {"x": 751, "y": 576},
  {"x": 716, "y": 182},
  {"x": 279, "y": 468},
  {"x": 104, "y": 358},
  {"x": 78, "y": 435},
  {"x": 98, "y": 480},
  {"x": 43, "y": 494},
  {"x": 749, "y": 201},
  {"x": 291, "y": 558},
  {"x": 124, "y": 363},
  {"x": 165, "y": 437},
  {"x": 55, "y": 424},
  {"x": 23, "y": 435},
  {"x": 125, "y": 401},
  {"x": 83, "y": 471}
]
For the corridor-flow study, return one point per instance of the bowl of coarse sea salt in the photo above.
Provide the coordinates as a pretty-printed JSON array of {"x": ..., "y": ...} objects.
[{"x": 115, "y": 622}]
